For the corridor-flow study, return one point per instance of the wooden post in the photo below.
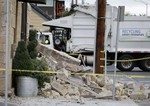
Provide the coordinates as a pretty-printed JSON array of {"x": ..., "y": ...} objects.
[{"x": 99, "y": 64}]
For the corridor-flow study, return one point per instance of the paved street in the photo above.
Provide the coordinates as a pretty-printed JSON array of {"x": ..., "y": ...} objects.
[{"x": 135, "y": 72}]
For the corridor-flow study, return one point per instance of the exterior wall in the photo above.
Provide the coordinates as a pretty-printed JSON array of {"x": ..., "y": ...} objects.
[
  {"x": 14, "y": 33},
  {"x": 28, "y": 19},
  {"x": 17, "y": 36},
  {"x": 36, "y": 21},
  {"x": 0, "y": 16}
]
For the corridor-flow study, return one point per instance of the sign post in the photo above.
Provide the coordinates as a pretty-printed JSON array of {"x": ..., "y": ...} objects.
[
  {"x": 7, "y": 50},
  {"x": 120, "y": 18}
]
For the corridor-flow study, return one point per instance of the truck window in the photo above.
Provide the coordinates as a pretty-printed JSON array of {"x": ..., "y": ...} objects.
[{"x": 47, "y": 40}]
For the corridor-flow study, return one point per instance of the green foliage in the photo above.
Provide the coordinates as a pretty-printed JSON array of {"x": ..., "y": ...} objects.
[
  {"x": 66, "y": 12},
  {"x": 25, "y": 59},
  {"x": 40, "y": 65},
  {"x": 22, "y": 59},
  {"x": 32, "y": 44},
  {"x": 32, "y": 35}
]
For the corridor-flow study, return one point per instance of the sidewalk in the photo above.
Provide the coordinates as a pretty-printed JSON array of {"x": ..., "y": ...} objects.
[
  {"x": 40, "y": 101},
  {"x": 9, "y": 104}
]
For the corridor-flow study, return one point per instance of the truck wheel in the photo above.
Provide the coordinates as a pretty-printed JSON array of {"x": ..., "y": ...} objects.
[
  {"x": 125, "y": 66},
  {"x": 145, "y": 64}
]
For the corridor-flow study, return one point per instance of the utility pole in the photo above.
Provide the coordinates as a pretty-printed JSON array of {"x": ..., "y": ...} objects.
[{"x": 99, "y": 49}]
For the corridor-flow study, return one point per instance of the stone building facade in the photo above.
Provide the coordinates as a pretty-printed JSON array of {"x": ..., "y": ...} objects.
[
  {"x": 14, "y": 37},
  {"x": 15, "y": 31},
  {"x": 37, "y": 17}
]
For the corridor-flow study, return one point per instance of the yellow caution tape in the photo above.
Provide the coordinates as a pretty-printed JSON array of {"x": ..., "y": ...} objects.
[
  {"x": 90, "y": 74},
  {"x": 145, "y": 58},
  {"x": 102, "y": 51},
  {"x": 73, "y": 54},
  {"x": 101, "y": 66}
]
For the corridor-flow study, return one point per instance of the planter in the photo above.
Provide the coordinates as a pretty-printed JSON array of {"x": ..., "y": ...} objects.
[{"x": 27, "y": 86}]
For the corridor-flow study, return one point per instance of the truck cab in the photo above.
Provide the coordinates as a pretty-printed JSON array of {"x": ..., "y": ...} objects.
[{"x": 45, "y": 38}]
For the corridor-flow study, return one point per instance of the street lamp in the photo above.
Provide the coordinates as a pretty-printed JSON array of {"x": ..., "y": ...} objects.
[{"x": 145, "y": 4}]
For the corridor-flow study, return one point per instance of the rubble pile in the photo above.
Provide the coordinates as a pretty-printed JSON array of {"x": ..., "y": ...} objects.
[
  {"x": 73, "y": 86},
  {"x": 77, "y": 87}
]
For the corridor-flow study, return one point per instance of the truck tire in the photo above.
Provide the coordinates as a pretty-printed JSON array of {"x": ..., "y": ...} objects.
[
  {"x": 125, "y": 66},
  {"x": 145, "y": 64}
]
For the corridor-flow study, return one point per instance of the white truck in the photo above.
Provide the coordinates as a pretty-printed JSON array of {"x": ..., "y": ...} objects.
[{"x": 76, "y": 34}]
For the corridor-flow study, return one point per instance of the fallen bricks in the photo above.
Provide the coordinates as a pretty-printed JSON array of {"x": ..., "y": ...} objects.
[{"x": 75, "y": 87}]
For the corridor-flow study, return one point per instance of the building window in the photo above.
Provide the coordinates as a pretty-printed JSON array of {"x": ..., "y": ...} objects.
[{"x": 48, "y": 3}]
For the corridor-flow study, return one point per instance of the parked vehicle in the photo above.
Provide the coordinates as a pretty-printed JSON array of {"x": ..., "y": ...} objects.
[{"x": 79, "y": 30}]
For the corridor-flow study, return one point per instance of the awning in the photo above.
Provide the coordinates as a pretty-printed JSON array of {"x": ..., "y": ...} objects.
[
  {"x": 34, "y": 1},
  {"x": 65, "y": 22}
]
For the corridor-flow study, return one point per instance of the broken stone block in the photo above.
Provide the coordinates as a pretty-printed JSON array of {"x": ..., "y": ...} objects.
[
  {"x": 119, "y": 85},
  {"x": 119, "y": 98},
  {"x": 72, "y": 90},
  {"x": 97, "y": 90},
  {"x": 66, "y": 72},
  {"x": 86, "y": 79},
  {"x": 100, "y": 82},
  {"x": 131, "y": 85},
  {"x": 47, "y": 94},
  {"x": 109, "y": 85},
  {"x": 142, "y": 88},
  {"x": 76, "y": 97},
  {"x": 93, "y": 78},
  {"x": 47, "y": 86},
  {"x": 59, "y": 88},
  {"x": 120, "y": 92},
  {"x": 55, "y": 94},
  {"x": 67, "y": 96},
  {"x": 138, "y": 96},
  {"x": 105, "y": 94},
  {"x": 83, "y": 92},
  {"x": 93, "y": 85},
  {"x": 128, "y": 92}
]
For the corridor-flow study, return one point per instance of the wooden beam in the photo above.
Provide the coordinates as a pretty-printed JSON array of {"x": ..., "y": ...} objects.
[{"x": 99, "y": 64}]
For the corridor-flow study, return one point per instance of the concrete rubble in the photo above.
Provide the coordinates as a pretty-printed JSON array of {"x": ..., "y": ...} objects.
[{"x": 75, "y": 86}]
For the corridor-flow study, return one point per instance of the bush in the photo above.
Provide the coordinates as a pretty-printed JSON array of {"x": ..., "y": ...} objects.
[
  {"x": 40, "y": 65},
  {"x": 22, "y": 58},
  {"x": 21, "y": 61},
  {"x": 32, "y": 44},
  {"x": 25, "y": 59},
  {"x": 32, "y": 35}
]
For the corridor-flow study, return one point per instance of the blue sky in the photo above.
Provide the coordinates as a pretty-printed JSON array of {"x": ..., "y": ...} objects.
[{"x": 131, "y": 6}]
